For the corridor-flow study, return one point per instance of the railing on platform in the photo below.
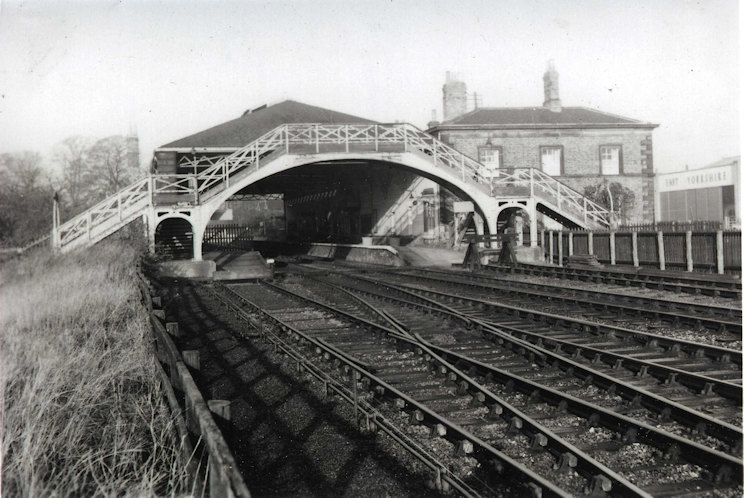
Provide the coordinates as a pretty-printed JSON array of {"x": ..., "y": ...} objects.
[{"x": 714, "y": 251}]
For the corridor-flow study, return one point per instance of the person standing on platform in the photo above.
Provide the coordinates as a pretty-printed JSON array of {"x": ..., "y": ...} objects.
[{"x": 508, "y": 255}]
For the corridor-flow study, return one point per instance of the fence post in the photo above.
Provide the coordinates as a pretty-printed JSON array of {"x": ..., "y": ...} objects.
[
  {"x": 634, "y": 248},
  {"x": 688, "y": 249},
  {"x": 590, "y": 242},
  {"x": 660, "y": 244},
  {"x": 550, "y": 244},
  {"x": 570, "y": 244},
  {"x": 719, "y": 251},
  {"x": 612, "y": 248},
  {"x": 560, "y": 248}
]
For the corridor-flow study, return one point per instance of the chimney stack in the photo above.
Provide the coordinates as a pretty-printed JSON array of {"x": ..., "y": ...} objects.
[
  {"x": 550, "y": 79},
  {"x": 433, "y": 122},
  {"x": 454, "y": 96}
]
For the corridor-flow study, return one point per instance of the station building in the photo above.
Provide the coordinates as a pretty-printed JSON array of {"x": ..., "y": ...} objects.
[
  {"x": 581, "y": 147},
  {"x": 342, "y": 201},
  {"x": 710, "y": 193},
  {"x": 333, "y": 201}
]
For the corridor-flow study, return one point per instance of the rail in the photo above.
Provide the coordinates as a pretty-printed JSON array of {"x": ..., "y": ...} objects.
[{"x": 562, "y": 196}]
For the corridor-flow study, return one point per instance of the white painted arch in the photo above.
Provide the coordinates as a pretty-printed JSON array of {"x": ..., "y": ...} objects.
[{"x": 414, "y": 160}]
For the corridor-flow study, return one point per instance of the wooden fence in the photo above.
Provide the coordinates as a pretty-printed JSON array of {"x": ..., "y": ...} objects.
[
  {"x": 231, "y": 237},
  {"x": 674, "y": 226},
  {"x": 193, "y": 414},
  {"x": 705, "y": 251}
]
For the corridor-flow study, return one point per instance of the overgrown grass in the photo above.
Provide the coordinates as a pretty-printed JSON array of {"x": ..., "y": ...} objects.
[{"x": 82, "y": 412}]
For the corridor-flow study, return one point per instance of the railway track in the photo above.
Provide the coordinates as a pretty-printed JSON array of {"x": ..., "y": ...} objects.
[
  {"x": 723, "y": 321},
  {"x": 485, "y": 420},
  {"x": 552, "y": 364},
  {"x": 723, "y": 286},
  {"x": 701, "y": 367}
]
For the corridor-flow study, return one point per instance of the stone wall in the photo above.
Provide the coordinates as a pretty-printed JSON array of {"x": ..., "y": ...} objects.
[{"x": 581, "y": 160}]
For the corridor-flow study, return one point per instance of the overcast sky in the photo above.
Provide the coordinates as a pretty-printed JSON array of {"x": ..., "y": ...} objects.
[{"x": 172, "y": 68}]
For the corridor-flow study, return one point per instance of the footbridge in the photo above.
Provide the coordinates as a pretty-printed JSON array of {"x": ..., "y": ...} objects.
[{"x": 195, "y": 197}]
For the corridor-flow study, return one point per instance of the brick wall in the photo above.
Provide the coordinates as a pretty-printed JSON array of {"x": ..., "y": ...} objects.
[{"x": 581, "y": 161}]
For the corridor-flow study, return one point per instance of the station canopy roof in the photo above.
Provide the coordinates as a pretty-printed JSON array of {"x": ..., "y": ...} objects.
[
  {"x": 254, "y": 123},
  {"x": 537, "y": 117}
]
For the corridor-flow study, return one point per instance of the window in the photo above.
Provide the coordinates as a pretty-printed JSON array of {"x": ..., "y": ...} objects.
[
  {"x": 610, "y": 159},
  {"x": 551, "y": 160},
  {"x": 490, "y": 157}
]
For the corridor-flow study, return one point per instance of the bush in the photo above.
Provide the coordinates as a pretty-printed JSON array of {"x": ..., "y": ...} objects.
[{"x": 82, "y": 411}]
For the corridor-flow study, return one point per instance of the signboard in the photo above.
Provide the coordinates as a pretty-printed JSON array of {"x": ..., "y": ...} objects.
[
  {"x": 463, "y": 207},
  {"x": 701, "y": 178}
]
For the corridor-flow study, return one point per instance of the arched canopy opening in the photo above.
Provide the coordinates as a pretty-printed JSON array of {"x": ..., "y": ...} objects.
[
  {"x": 518, "y": 218},
  {"x": 174, "y": 239},
  {"x": 346, "y": 199}
]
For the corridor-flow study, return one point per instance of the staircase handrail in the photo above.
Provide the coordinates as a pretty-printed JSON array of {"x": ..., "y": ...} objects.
[
  {"x": 281, "y": 138},
  {"x": 405, "y": 196},
  {"x": 116, "y": 204},
  {"x": 470, "y": 169},
  {"x": 561, "y": 193}
]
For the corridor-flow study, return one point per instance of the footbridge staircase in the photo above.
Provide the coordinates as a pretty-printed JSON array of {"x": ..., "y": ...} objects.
[{"x": 195, "y": 197}]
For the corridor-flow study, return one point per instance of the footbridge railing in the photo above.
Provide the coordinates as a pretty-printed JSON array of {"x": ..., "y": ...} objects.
[
  {"x": 307, "y": 139},
  {"x": 107, "y": 216},
  {"x": 533, "y": 182},
  {"x": 326, "y": 138}
]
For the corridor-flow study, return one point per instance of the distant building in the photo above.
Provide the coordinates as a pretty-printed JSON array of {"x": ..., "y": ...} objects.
[
  {"x": 706, "y": 194},
  {"x": 581, "y": 147}
]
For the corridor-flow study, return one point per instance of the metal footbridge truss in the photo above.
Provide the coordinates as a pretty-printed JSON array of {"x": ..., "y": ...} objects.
[{"x": 291, "y": 145}]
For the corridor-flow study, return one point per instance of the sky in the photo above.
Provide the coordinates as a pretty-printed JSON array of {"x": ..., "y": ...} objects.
[{"x": 168, "y": 69}]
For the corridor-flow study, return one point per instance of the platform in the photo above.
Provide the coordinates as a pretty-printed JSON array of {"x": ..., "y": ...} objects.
[{"x": 240, "y": 265}]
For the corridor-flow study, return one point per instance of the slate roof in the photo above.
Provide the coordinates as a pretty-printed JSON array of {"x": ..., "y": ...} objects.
[
  {"x": 252, "y": 124},
  {"x": 539, "y": 117}
]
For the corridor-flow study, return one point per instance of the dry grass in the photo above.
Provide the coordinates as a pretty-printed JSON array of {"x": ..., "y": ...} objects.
[{"x": 82, "y": 413}]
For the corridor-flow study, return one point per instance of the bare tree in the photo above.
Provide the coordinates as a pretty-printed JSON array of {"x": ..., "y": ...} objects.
[
  {"x": 25, "y": 198},
  {"x": 112, "y": 164},
  {"x": 72, "y": 156}
]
